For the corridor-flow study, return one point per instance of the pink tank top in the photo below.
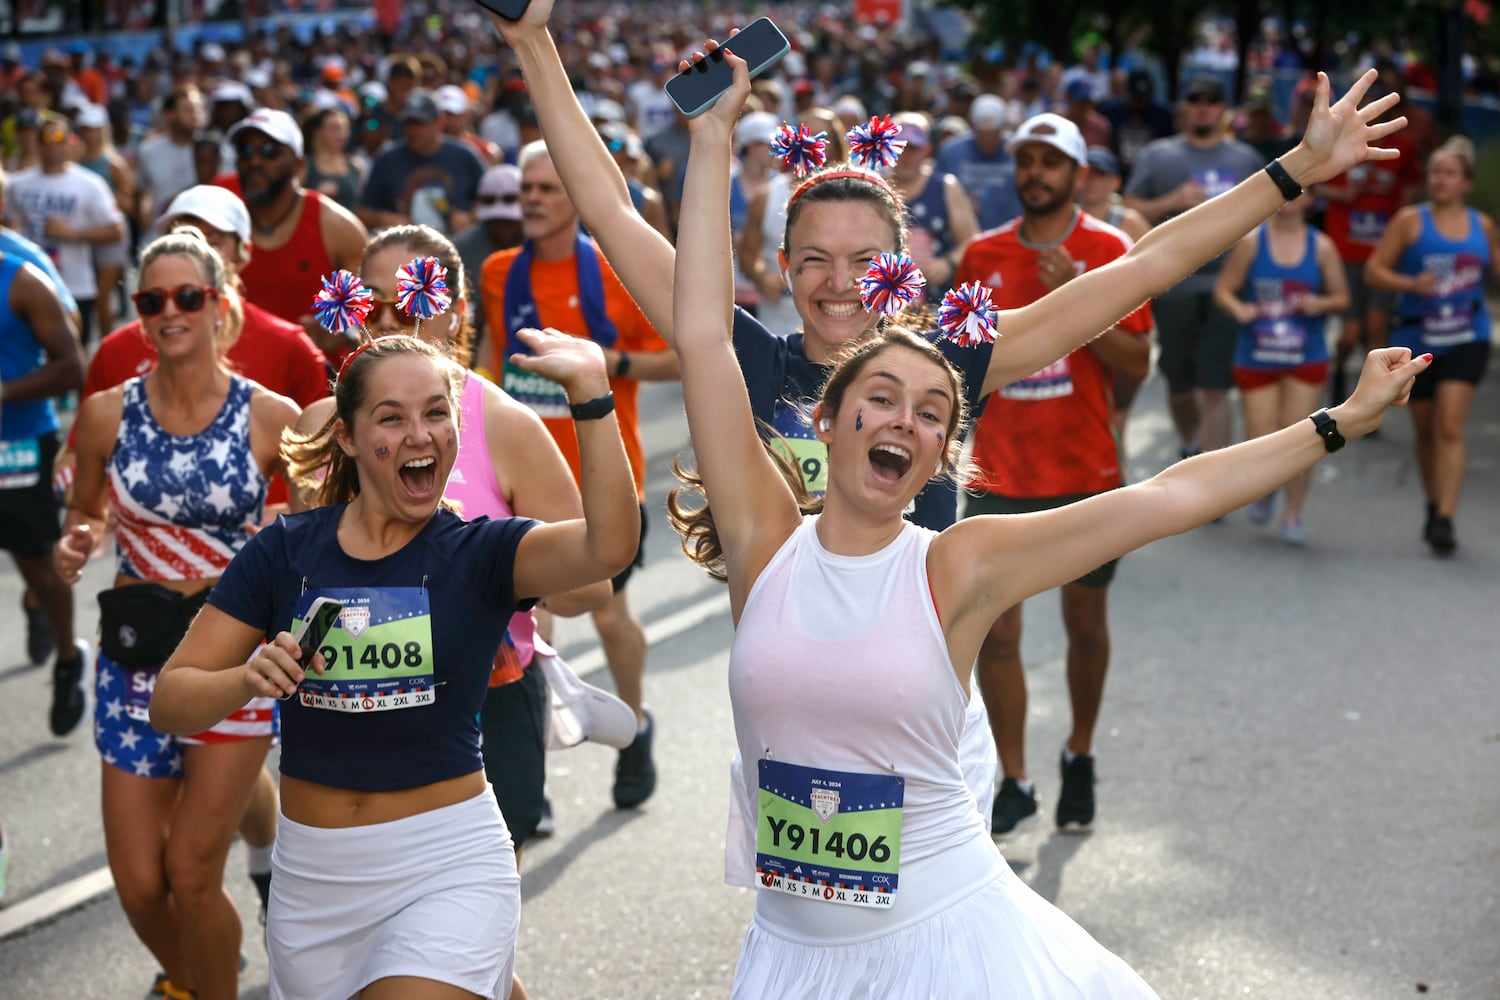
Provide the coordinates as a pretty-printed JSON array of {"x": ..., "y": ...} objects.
[{"x": 472, "y": 484}]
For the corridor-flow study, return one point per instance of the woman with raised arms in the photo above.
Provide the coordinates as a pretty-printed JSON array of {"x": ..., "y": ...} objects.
[{"x": 875, "y": 875}]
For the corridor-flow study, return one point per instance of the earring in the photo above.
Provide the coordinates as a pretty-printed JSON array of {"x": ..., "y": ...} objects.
[{"x": 825, "y": 425}]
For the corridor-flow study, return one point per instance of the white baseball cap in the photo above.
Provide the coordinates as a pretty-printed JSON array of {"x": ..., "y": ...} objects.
[
  {"x": 451, "y": 99},
  {"x": 578, "y": 711},
  {"x": 757, "y": 126},
  {"x": 499, "y": 194},
  {"x": 92, "y": 116},
  {"x": 1052, "y": 130},
  {"x": 987, "y": 112},
  {"x": 217, "y": 206},
  {"x": 277, "y": 125}
]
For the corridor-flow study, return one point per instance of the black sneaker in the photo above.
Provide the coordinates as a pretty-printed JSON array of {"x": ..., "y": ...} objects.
[
  {"x": 546, "y": 826},
  {"x": 40, "y": 642},
  {"x": 1427, "y": 522},
  {"x": 1440, "y": 536},
  {"x": 1075, "y": 803},
  {"x": 635, "y": 773},
  {"x": 1011, "y": 806},
  {"x": 69, "y": 690}
]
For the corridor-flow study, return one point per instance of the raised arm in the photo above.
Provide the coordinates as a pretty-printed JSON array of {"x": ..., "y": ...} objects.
[
  {"x": 534, "y": 477},
  {"x": 565, "y": 555},
  {"x": 984, "y": 565},
  {"x": 640, "y": 255},
  {"x": 753, "y": 507},
  {"x": 1337, "y": 138}
]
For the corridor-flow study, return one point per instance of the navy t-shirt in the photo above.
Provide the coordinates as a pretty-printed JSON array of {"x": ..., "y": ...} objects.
[
  {"x": 425, "y": 189},
  {"x": 784, "y": 384},
  {"x": 459, "y": 571}
]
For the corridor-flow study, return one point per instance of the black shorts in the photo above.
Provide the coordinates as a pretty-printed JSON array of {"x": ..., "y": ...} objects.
[
  {"x": 1465, "y": 363},
  {"x": 991, "y": 503},
  {"x": 1197, "y": 343},
  {"x": 618, "y": 583},
  {"x": 29, "y": 515},
  {"x": 513, "y": 726}
]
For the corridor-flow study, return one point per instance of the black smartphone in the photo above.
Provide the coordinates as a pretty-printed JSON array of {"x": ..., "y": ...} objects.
[
  {"x": 760, "y": 43},
  {"x": 320, "y": 620},
  {"x": 511, "y": 10}
]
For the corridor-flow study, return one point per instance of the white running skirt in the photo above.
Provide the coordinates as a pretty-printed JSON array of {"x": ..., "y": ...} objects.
[
  {"x": 965, "y": 927},
  {"x": 435, "y": 895}
]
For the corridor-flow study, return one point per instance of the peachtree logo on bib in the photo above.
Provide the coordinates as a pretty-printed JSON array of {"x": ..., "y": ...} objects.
[
  {"x": 355, "y": 620},
  {"x": 825, "y": 803}
]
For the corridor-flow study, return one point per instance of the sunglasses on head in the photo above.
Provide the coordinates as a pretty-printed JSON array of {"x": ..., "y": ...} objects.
[
  {"x": 188, "y": 298},
  {"x": 266, "y": 149}
]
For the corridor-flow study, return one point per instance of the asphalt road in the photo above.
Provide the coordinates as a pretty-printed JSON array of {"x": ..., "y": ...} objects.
[{"x": 1297, "y": 765}]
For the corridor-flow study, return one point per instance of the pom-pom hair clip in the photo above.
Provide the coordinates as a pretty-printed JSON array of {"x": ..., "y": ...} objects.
[
  {"x": 422, "y": 289},
  {"x": 343, "y": 303},
  {"x": 891, "y": 284},
  {"x": 967, "y": 316},
  {"x": 874, "y": 144},
  {"x": 799, "y": 149}
]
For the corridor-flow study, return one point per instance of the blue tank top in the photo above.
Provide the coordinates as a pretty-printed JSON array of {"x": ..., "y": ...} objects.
[
  {"x": 928, "y": 212},
  {"x": 20, "y": 354},
  {"x": 183, "y": 504},
  {"x": 1282, "y": 336},
  {"x": 1455, "y": 313}
]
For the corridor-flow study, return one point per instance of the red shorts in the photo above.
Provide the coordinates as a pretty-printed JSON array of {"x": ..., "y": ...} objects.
[{"x": 1313, "y": 373}]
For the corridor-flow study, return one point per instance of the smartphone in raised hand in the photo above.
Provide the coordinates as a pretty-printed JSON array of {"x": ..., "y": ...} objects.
[
  {"x": 694, "y": 90},
  {"x": 322, "y": 616},
  {"x": 511, "y": 10}
]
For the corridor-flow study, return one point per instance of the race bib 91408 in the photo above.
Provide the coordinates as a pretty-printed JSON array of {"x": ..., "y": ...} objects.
[{"x": 378, "y": 656}]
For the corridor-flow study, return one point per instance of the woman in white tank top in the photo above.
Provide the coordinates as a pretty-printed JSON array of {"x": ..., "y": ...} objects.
[{"x": 855, "y": 629}]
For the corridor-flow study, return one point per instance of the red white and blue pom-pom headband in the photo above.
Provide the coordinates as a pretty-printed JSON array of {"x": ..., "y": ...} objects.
[
  {"x": 892, "y": 283},
  {"x": 967, "y": 316},
  {"x": 874, "y": 144},
  {"x": 343, "y": 303},
  {"x": 800, "y": 149}
]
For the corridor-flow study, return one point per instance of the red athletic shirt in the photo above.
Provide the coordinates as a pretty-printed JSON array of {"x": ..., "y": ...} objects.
[
  {"x": 285, "y": 281},
  {"x": 1047, "y": 435},
  {"x": 270, "y": 351},
  {"x": 1357, "y": 226}
]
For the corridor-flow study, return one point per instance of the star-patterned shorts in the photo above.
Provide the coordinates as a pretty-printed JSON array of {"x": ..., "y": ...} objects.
[{"x": 126, "y": 740}]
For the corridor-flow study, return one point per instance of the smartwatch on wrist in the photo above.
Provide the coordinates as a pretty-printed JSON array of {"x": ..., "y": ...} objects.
[{"x": 1328, "y": 430}]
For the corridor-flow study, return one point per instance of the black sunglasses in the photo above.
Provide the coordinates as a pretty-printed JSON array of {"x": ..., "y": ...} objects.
[
  {"x": 266, "y": 149},
  {"x": 504, "y": 199},
  {"x": 1202, "y": 99},
  {"x": 189, "y": 299}
]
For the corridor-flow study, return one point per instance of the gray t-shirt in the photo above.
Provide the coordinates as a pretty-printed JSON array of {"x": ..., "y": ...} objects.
[
  {"x": 165, "y": 169},
  {"x": 1166, "y": 163}
]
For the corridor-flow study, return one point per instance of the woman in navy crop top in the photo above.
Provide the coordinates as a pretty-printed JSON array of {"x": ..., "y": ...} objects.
[
  {"x": 870, "y": 864},
  {"x": 182, "y": 456},
  {"x": 393, "y": 868}
]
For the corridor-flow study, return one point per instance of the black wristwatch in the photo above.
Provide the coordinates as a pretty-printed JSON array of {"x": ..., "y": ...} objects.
[
  {"x": 622, "y": 365},
  {"x": 1328, "y": 430},
  {"x": 594, "y": 409}
]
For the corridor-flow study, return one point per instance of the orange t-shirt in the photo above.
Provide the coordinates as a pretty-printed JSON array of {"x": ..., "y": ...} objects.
[
  {"x": 554, "y": 287},
  {"x": 1049, "y": 434}
]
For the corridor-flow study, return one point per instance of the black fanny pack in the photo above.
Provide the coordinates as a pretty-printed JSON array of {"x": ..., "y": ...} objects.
[{"x": 140, "y": 625}]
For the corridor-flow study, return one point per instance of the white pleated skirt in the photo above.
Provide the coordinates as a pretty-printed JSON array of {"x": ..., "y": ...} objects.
[
  {"x": 967, "y": 929},
  {"x": 436, "y": 896}
]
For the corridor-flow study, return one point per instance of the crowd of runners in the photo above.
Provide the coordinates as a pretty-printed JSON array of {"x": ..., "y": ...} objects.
[{"x": 457, "y": 470}]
